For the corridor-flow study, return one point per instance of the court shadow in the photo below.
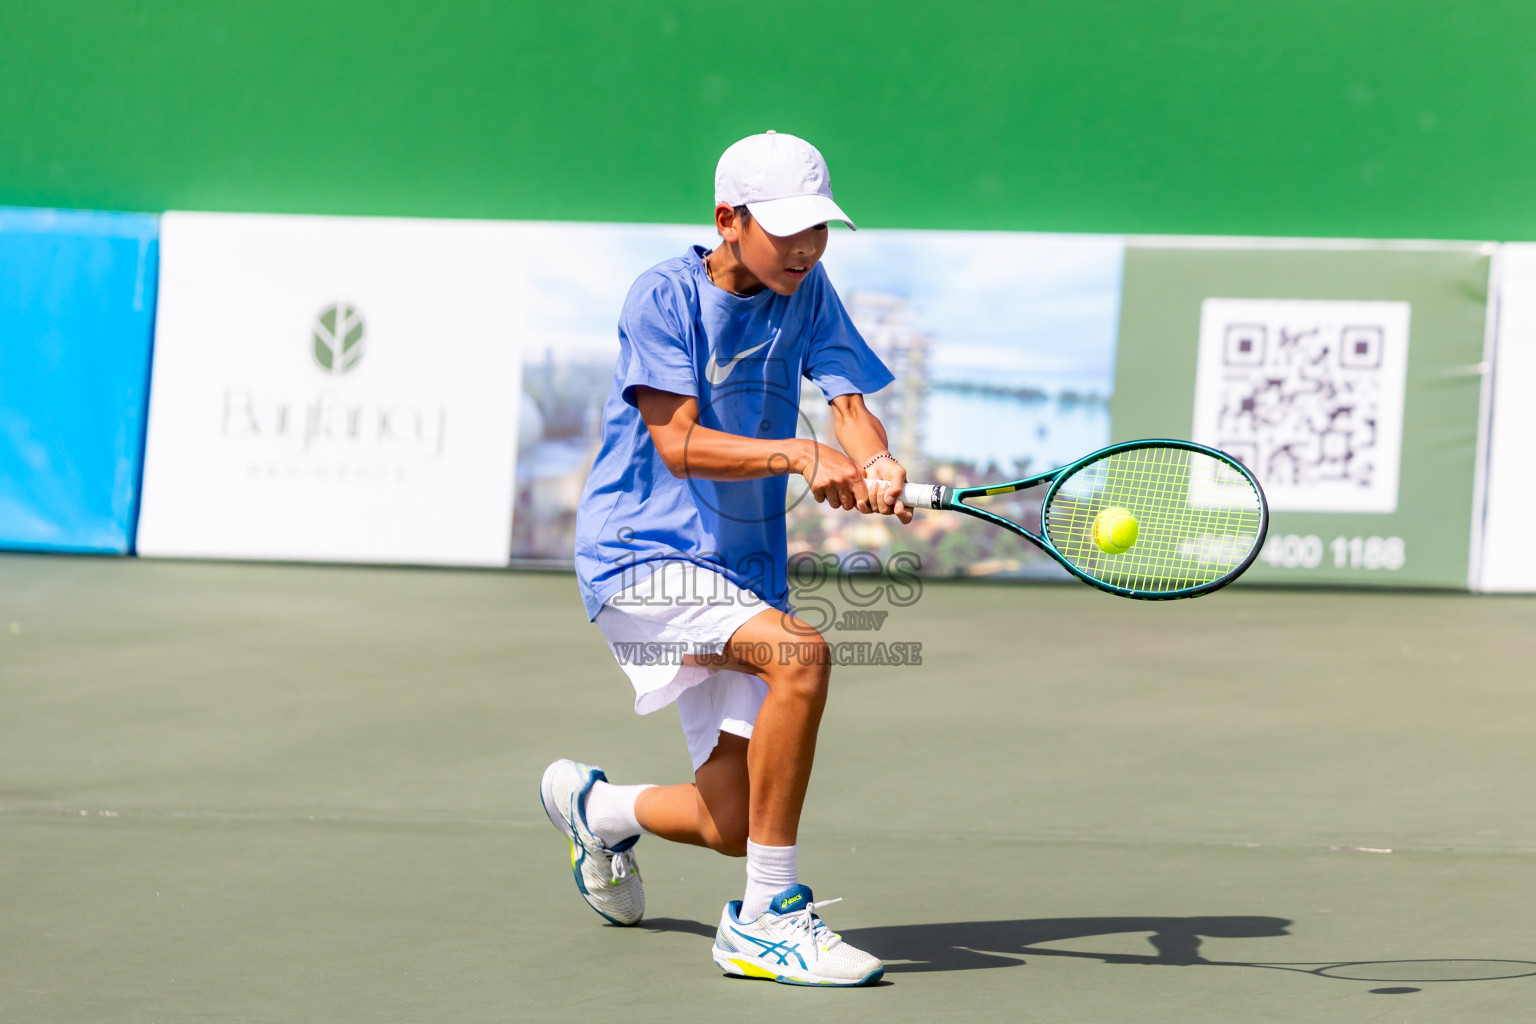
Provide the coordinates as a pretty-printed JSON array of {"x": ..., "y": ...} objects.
[
  {"x": 978, "y": 945},
  {"x": 1174, "y": 942},
  {"x": 677, "y": 924}
]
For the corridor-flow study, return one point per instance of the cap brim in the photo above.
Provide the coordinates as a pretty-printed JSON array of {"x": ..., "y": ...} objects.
[{"x": 784, "y": 217}]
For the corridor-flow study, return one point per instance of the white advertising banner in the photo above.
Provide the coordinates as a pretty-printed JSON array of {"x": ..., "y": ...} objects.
[
  {"x": 1507, "y": 557},
  {"x": 334, "y": 389}
]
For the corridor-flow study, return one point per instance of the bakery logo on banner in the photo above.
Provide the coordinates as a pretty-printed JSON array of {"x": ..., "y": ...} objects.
[{"x": 343, "y": 431}]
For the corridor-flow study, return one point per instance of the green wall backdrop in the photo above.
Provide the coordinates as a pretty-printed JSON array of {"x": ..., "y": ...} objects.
[{"x": 1368, "y": 118}]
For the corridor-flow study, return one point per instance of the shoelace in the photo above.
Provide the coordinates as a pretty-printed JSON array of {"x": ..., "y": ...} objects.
[
  {"x": 805, "y": 918},
  {"x": 623, "y": 865}
]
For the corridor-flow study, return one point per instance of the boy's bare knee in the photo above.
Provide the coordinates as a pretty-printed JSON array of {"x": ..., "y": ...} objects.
[
  {"x": 808, "y": 680},
  {"x": 812, "y": 683},
  {"x": 803, "y": 669}
]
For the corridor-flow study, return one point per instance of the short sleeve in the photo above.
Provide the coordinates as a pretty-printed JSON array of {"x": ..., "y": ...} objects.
[
  {"x": 839, "y": 360},
  {"x": 655, "y": 341}
]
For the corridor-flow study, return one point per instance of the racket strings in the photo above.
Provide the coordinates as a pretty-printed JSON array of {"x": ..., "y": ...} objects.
[{"x": 1197, "y": 517}]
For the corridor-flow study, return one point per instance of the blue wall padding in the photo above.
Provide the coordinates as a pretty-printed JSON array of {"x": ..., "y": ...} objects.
[{"x": 77, "y": 302}]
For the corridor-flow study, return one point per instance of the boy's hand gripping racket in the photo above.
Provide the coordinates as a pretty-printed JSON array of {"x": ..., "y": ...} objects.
[{"x": 1153, "y": 519}]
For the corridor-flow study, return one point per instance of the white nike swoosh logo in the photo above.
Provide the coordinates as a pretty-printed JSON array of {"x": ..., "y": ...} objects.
[{"x": 718, "y": 373}]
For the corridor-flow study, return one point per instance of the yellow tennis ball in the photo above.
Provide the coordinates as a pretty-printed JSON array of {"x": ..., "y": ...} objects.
[{"x": 1115, "y": 531}]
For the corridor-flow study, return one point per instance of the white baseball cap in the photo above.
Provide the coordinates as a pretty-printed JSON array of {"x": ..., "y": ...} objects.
[{"x": 781, "y": 179}]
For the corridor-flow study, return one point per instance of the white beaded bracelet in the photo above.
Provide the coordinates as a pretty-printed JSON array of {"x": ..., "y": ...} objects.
[{"x": 877, "y": 458}]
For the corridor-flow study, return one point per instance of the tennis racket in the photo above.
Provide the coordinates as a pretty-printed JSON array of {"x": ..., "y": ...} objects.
[{"x": 1199, "y": 517}]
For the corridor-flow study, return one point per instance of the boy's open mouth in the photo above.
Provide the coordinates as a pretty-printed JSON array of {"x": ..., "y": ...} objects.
[{"x": 796, "y": 271}]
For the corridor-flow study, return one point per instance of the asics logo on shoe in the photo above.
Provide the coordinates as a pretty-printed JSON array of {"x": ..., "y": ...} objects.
[
  {"x": 718, "y": 373},
  {"x": 782, "y": 950},
  {"x": 792, "y": 900}
]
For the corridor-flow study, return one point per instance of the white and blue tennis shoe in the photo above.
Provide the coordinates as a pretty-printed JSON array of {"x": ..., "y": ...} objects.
[
  {"x": 607, "y": 877},
  {"x": 791, "y": 944}
]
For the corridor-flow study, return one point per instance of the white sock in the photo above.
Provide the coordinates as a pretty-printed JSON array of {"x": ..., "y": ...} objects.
[
  {"x": 611, "y": 812},
  {"x": 770, "y": 870}
]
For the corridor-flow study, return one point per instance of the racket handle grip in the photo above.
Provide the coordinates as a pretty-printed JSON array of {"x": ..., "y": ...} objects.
[{"x": 913, "y": 495}]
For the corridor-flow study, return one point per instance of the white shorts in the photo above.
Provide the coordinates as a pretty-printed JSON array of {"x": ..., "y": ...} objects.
[{"x": 648, "y": 633}]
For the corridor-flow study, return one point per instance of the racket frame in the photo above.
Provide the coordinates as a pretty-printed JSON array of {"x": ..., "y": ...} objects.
[{"x": 940, "y": 496}]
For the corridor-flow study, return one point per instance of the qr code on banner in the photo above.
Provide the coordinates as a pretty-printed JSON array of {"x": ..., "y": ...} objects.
[{"x": 1308, "y": 395}]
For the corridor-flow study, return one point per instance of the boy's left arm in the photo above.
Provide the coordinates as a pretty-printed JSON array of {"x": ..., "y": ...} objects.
[{"x": 862, "y": 437}]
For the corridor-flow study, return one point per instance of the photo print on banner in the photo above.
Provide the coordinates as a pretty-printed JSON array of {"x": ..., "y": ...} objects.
[{"x": 1002, "y": 345}]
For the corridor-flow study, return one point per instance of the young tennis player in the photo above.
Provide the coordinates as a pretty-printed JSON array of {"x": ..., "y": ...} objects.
[{"x": 681, "y": 554}]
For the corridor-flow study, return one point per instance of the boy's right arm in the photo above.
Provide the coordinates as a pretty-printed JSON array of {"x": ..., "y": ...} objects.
[{"x": 690, "y": 450}]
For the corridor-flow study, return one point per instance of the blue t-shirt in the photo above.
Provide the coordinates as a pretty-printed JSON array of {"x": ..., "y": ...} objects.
[{"x": 742, "y": 359}]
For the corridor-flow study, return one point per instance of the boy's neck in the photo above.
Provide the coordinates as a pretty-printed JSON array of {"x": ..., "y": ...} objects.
[{"x": 727, "y": 272}]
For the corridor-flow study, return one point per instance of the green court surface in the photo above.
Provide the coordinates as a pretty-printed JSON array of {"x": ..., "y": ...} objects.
[{"x": 279, "y": 793}]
